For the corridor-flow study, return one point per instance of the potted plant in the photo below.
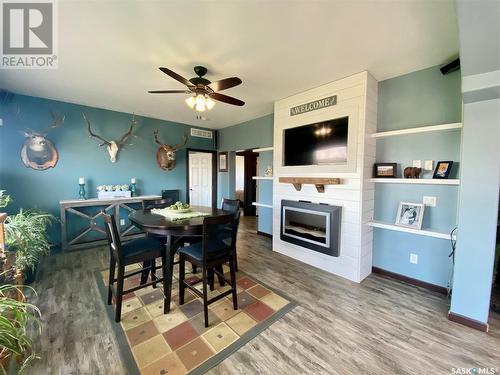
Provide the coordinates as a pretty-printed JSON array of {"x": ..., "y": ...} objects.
[
  {"x": 15, "y": 317},
  {"x": 4, "y": 199},
  {"x": 26, "y": 234},
  {"x": 26, "y": 237},
  {"x": 4, "y": 276}
]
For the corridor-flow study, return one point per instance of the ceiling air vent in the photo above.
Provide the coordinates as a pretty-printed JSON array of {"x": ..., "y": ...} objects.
[{"x": 201, "y": 133}]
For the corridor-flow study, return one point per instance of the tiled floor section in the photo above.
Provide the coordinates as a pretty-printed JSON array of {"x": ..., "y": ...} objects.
[{"x": 178, "y": 342}]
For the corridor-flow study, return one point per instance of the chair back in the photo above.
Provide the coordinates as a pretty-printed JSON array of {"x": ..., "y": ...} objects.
[
  {"x": 172, "y": 195},
  {"x": 219, "y": 236},
  {"x": 231, "y": 205},
  {"x": 113, "y": 236},
  {"x": 149, "y": 204}
]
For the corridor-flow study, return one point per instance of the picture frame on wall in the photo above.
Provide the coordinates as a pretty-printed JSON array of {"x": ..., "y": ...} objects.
[
  {"x": 223, "y": 162},
  {"x": 410, "y": 215},
  {"x": 443, "y": 169},
  {"x": 385, "y": 170}
]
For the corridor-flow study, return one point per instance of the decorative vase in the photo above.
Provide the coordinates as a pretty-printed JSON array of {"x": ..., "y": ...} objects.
[
  {"x": 81, "y": 193},
  {"x": 133, "y": 189}
]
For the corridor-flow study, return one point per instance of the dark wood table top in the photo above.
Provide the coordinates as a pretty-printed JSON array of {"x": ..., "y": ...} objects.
[{"x": 161, "y": 225}]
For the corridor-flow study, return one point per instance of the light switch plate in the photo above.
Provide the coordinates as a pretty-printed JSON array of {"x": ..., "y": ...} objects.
[
  {"x": 429, "y": 201},
  {"x": 417, "y": 163},
  {"x": 414, "y": 258},
  {"x": 428, "y": 165},
  {"x": 122, "y": 222}
]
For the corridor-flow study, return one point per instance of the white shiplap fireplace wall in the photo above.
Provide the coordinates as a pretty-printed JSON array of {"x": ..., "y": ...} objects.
[{"x": 356, "y": 98}]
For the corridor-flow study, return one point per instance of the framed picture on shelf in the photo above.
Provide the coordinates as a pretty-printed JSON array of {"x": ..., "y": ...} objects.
[
  {"x": 223, "y": 162},
  {"x": 443, "y": 169},
  {"x": 410, "y": 215},
  {"x": 385, "y": 170}
]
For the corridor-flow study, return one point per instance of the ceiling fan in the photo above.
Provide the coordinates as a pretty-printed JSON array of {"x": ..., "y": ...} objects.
[{"x": 204, "y": 92}]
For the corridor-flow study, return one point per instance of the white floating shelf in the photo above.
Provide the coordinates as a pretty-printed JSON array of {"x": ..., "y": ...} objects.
[
  {"x": 416, "y": 181},
  {"x": 420, "y": 232},
  {"x": 263, "y": 149},
  {"x": 420, "y": 129},
  {"x": 262, "y": 178},
  {"x": 262, "y": 205}
]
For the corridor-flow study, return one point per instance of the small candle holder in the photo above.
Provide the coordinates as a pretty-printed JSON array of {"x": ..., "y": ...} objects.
[
  {"x": 81, "y": 192},
  {"x": 133, "y": 188}
]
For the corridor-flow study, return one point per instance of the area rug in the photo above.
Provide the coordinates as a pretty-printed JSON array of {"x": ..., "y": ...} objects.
[{"x": 178, "y": 342}]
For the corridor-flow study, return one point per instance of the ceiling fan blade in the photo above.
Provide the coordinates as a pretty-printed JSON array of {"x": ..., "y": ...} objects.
[
  {"x": 176, "y": 76},
  {"x": 224, "y": 84},
  {"x": 169, "y": 92},
  {"x": 226, "y": 99}
]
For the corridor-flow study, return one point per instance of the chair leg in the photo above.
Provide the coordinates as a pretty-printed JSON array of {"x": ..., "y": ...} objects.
[
  {"x": 232, "y": 272},
  {"x": 220, "y": 268},
  {"x": 182, "y": 276},
  {"x": 153, "y": 272},
  {"x": 165, "y": 283},
  {"x": 211, "y": 279},
  {"x": 119, "y": 292},
  {"x": 111, "y": 280},
  {"x": 235, "y": 261},
  {"x": 205, "y": 295},
  {"x": 145, "y": 271}
]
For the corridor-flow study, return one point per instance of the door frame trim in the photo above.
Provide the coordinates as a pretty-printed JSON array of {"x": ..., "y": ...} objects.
[
  {"x": 249, "y": 195},
  {"x": 214, "y": 173}
]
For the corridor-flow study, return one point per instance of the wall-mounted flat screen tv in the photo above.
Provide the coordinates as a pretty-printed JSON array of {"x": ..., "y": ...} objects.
[{"x": 320, "y": 143}]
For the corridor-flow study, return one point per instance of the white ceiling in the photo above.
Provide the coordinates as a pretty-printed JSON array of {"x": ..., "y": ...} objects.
[{"x": 110, "y": 51}]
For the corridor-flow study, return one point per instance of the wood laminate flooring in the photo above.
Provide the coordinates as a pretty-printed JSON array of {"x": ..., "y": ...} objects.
[{"x": 380, "y": 326}]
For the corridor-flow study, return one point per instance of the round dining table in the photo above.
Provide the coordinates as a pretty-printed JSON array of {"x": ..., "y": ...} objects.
[{"x": 173, "y": 231}]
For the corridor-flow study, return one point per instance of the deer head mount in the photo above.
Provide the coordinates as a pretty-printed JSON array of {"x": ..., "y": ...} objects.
[
  {"x": 39, "y": 152},
  {"x": 113, "y": 147},
  {"x": 165, "y": 156}
]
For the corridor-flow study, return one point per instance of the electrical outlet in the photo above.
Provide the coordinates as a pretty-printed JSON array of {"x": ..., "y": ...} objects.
[
  {"x": 428, "y": 165},
  {"x": 414, "y": 258},
  {"x": 122, "y": 222},
  {"x": 429, "y": 201},
  {"x": 417, "y": 163}
]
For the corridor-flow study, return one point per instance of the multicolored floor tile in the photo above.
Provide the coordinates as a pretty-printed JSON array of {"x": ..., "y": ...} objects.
[{"x": 178, "y": 342}]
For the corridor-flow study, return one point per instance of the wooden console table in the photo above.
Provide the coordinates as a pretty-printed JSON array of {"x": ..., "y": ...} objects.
[{"x": 113, "y": 206}]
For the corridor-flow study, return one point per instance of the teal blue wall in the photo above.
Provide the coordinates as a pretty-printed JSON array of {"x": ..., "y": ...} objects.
[
  {"x": 226, "y": 181},
  {"x": 252, "y": 134},
  {"x": 420, "y": 98},
  {"x": 478, "y": 205},
  {"x": 478, "y": 210},
  {"x": 80, "y": 156}
]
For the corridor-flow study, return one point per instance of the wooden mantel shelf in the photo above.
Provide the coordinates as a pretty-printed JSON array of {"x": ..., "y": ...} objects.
[{"x": 319, "y": 182}]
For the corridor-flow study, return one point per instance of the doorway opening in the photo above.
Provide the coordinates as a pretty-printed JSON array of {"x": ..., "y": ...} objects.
[
  {"x": 201, "y": 185},
  {"x": 245, "y": 184}
]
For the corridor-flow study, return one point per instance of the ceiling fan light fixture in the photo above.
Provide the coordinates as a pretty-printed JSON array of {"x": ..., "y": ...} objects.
[
  {"x": 191, "y": 101},
  {"x": 210, "y": 103},
  {"x": 204, "y": 93},
  {"x": 201, "y": 103}
]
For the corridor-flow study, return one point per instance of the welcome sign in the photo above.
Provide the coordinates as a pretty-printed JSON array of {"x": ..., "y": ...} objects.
[{"x": 312, "y": 106}]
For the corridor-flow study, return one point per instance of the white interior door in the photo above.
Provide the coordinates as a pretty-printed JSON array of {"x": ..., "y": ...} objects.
[{"x": 200, "y": 179}]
